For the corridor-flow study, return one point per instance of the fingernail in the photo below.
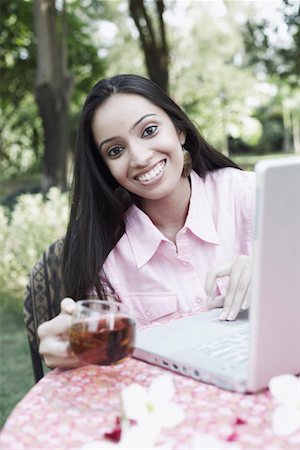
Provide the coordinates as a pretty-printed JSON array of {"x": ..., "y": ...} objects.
[
  {"x": 245, "y": 305},
  {"x": 223, "y": 316}
]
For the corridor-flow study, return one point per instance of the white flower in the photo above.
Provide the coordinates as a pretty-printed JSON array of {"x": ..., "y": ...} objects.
[
  {"x": 286, "y": 391},
  {"x": 150, "y": 410},
  {"x": 152, "y": 405}
]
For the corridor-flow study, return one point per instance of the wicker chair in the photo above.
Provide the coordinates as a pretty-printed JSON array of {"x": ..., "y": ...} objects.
[{"x": 43, "y": 295}]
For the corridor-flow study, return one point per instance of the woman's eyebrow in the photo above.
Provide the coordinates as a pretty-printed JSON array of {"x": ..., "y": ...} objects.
[
  {"x": 141, "y": 119},
  {"x": 106, "y": 141},
  {"x": 132, "y": 128}
]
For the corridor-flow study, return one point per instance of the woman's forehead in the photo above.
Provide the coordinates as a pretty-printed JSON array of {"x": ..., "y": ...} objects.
[
  {"x": 127, "y": 101},
  {"x": 124, "y": 109}
]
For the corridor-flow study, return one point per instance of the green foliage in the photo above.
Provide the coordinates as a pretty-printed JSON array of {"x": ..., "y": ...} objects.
[
  {"x": 121, "y": 45},
  {"x": 265, "y": 47},
  {"x": 85, "y": 63},
  {"x": 26, "y": 231},
  {"x": 17, "y": 56},
  {"x": 211, "y": 83},
  {"x": 22, "y": 144},
  {"x": 220, "y": 66}
]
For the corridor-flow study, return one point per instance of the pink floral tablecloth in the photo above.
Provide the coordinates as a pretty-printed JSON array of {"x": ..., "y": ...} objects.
[{"x": 68, "y": 409}]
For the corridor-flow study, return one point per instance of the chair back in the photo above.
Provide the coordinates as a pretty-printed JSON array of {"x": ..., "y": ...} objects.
[{"x": 43, "y": 295}]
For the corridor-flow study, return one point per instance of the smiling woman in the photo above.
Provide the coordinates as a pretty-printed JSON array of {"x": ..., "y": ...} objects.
[
  {"x": 143, "y": 150},
  {"x": 189, "y": 214}
]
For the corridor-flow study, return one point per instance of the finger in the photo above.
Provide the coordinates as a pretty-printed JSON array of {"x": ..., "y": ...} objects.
[
  {"x": 217, "y": 302},
  {"x": 241, "y": 293},
  {"x": 57, "y": 353},
  {"x": 239, "y": 298},
  {"x": 236, "y": 295},
  {"x": 246, "y": 302},
  {"x": 61, "y": 363},
  {"x": 212, "y": 276},
  {"x": 67, "y": 305},
  {"x": 53, "y": 346},
  {"x": 233, "y": 282},
  {"x": 54, "y": 327}
]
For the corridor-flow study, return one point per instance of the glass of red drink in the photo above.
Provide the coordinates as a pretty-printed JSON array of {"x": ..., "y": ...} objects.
[{"x": 102, "y": 332}]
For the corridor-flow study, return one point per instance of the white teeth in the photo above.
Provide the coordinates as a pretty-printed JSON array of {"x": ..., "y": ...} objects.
[{"x": 152, "y": 173}]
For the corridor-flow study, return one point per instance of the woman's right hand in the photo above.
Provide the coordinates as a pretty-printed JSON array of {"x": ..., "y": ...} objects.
[{"x": 54, "y": 338}]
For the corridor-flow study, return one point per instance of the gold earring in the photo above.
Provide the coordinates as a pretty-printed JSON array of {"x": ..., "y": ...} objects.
[{"x": 187, "y": 163}]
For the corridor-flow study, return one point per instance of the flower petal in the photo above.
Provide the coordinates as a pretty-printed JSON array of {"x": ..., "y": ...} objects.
[
  {"x": 286, "y": 389},
  {"x": 143, "y": 435},
  {"x": 162, "y": 389},
  {"x": 285, "y": 420},
  {"x": 115, "y": 434},
  {"x": 134, "y": 399},
  {"x": 239, "y": 421},
  {"x": 170, "y": 415}
]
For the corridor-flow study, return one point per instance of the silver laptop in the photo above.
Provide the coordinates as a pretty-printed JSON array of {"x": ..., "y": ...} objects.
[{"x": 243, "y": 355}]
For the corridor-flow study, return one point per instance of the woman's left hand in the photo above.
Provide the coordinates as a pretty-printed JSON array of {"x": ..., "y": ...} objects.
[{"x": 238, "y": 294}]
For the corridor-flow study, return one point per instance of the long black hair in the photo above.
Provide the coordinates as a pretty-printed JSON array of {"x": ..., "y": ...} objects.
[{"x": 97, "y": 216}]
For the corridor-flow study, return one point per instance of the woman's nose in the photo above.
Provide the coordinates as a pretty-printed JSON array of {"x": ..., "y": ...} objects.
[{"x": 140, "y": 156}]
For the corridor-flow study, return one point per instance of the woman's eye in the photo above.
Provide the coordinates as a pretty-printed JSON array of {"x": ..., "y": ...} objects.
[
  {"x": 149, "y": 130},
  {"x": 115, "y": 151}
]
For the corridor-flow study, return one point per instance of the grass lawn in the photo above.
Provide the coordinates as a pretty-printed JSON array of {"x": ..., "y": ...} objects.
[{"x": 16, "y": 376}]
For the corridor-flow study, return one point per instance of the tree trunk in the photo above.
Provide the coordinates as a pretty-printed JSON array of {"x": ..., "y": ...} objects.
[
  {"x": 153, "y": 40},
  {"x": 53, "y": 87}
]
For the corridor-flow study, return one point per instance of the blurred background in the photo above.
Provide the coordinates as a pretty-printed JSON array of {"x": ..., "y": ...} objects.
[{"x": 232, "y": 65}]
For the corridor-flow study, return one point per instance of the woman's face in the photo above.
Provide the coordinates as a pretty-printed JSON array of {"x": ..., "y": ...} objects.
[{"x": 140, "y": 145}]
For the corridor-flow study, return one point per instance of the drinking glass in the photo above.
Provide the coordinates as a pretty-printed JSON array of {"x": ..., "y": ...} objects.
[{"x": 102, "y": 332}]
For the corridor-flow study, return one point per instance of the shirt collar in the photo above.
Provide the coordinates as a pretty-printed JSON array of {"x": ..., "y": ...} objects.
[{"x": 145, "y": 238}]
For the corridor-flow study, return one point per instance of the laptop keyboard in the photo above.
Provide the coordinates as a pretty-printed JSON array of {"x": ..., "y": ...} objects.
[{"x": 232, "y": 348}]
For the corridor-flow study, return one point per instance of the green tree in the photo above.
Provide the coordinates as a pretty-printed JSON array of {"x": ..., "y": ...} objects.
[
  {"x": 22, "y": 143},
  {"x": 53, "y": 88},
  {"x": 208, "y": 77},
  {"x": 279, "y": 60},
  {"x": 119, "y": 41},
  {"x": 266, "y": 48},
  {"x": 148, "y": 18},
  {"x": 17, "y": 64}
]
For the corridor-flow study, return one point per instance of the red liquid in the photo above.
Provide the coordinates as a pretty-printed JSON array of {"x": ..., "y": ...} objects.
[{"x": 94, "y": 343}]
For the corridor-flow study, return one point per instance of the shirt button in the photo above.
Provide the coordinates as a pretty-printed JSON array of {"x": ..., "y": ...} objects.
[{"x": 149, "y": 313}]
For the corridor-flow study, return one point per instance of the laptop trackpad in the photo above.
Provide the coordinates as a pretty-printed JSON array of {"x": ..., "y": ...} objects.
[{"x": 187, "y": 332}]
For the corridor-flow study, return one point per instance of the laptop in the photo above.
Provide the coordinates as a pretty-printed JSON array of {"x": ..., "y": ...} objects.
[{"x": 243, "y": 355}]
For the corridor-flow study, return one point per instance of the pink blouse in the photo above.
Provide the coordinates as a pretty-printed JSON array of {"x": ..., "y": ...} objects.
[{"x": 160, "y": 279}]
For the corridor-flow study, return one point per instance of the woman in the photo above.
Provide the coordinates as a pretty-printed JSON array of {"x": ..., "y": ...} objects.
[{"x": 157, "y": 217}]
